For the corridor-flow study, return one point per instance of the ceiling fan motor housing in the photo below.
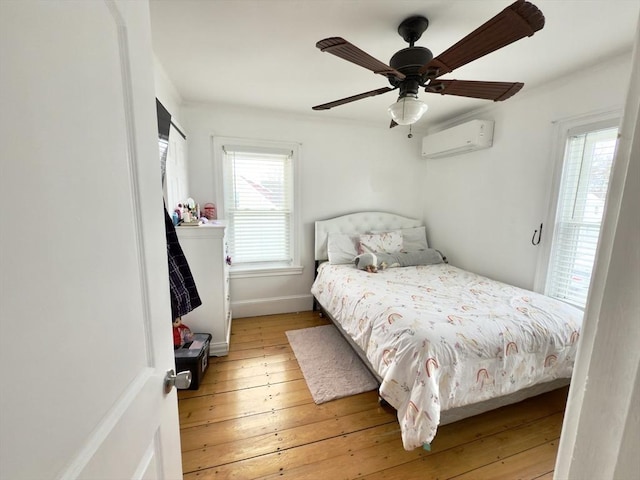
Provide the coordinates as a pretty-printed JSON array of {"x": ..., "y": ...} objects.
[{"x": 409, "y": 61}]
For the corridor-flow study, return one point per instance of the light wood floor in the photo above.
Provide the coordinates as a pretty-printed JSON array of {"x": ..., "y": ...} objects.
[{"x": 253, "y": 417}]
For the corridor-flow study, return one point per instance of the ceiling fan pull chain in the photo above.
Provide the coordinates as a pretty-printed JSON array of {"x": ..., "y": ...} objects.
[{"x": 410, "y": 134}]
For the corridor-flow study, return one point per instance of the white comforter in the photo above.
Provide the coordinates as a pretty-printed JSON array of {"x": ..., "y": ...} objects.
[{"x": 441, "y": 337}]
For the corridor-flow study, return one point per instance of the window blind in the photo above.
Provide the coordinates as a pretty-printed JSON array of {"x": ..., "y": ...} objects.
[
  {"x": 583, "y": 191},
  {"x": 258, "y": 205}
]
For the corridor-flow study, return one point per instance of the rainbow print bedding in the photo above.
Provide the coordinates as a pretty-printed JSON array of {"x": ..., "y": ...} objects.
[{"x": 441, "y": 337}]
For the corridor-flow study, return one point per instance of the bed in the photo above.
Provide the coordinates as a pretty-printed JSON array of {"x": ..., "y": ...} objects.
[{"x": 443, "y": 343}]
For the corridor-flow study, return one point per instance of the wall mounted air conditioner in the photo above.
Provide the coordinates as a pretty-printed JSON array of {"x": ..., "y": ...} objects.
[{"x": 466, "y": 137}]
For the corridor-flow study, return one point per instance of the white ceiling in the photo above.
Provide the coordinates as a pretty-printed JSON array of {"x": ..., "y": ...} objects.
[{"x": 262, "y": 53}]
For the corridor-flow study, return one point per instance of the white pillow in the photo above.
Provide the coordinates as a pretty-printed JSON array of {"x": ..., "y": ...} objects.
[
  {"x": 341, "y": 248},
  {"x": 413, "y": 239},
  {"x": 388, "y": 242}
]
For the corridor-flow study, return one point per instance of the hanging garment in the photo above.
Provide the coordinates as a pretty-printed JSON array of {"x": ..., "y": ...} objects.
[
  {"x": 182, "y": 286},
  {"x": 164, "y": 126}
]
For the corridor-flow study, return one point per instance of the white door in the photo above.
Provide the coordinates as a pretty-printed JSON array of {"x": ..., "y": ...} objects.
[{"x": 85, "y": 313}]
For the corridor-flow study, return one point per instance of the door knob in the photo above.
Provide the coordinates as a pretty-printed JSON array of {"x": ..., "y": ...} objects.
[{"x": 181, "y": 381}]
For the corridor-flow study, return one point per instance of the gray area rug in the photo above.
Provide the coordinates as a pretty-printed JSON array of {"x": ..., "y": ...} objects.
[{"x": 330, "y": 367}]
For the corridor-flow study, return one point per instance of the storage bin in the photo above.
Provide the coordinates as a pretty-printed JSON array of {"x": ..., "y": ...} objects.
[{"x": 194, "y": 356}]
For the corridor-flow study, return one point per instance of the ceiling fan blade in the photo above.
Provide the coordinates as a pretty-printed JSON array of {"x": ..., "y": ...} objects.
[
  {"x": 520, "y": 19},
  {"x": 393, "y": 124},
  {"x": 342, "y": 101},
  {"x": 496, "y": 91},
  {"x": 347, "y": 51}
]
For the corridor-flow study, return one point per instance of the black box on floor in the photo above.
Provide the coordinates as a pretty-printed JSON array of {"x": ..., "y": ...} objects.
[{"x": 194, "y": 356}]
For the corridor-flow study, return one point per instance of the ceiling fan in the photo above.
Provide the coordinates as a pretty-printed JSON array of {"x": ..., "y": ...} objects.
[{"x": 414, "y": 67}]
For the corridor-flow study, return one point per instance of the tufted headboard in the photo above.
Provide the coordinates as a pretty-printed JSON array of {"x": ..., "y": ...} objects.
[{"x": 361, "y": 222}]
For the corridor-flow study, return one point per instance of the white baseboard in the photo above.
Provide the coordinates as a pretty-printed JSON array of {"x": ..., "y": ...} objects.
[
  {"x": 218, "y": 349},
  {"x": 271, "y": 306}
]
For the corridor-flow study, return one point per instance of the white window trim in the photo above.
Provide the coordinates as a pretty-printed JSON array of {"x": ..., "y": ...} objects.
[
  {"x": 562, "y": 130},
  {"x": 248, "y": 271}
]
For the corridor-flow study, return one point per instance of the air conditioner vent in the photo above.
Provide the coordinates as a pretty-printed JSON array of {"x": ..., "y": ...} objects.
[{"x": 463, "y": 138}]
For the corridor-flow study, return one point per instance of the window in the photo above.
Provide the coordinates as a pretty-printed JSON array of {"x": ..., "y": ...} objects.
[
  {"x": 588, "y": 157},
  {"x": 258, "y": 203}
]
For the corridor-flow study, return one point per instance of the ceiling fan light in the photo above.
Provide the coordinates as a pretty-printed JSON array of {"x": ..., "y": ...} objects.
[{"x": 407, "y": 110}]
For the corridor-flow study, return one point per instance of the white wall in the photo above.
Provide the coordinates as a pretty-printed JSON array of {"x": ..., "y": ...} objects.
[
  {"x": 344, "y": 167},
  {"x": 166, "y": 92},
  {"x": 482, "y": 208}
]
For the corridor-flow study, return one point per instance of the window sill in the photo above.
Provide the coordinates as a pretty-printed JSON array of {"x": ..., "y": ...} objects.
[{"x": 254, "y": 271}]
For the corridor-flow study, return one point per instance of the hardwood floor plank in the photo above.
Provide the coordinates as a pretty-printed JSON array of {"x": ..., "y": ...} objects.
[
  {"x": 284, "y": 319},
  {"x": 495, "y": 421},
  {"x": 532, "y": 463},
  {"x": 268, "y": 330},
  {"x": 243, "y": 383},
  {"x": 241, "y": 379},
  {"x": 278, "y": 463},
  {"x": 240, "y": 403},
  {"x": 263, "y": 352},
  {"x": 250, "y": 367},
  {"x": 246, "y": 331},
  {"x": 466, "y": 457},
  {"x": 283, "y": 439},
  {"x": 546, "y": 476},
  {"x": 276, "y": 420},
  {"x": 253, "y": 417}
]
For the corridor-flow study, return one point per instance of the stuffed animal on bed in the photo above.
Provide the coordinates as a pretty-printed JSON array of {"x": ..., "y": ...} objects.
[{"x": 372, "y": 262}]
